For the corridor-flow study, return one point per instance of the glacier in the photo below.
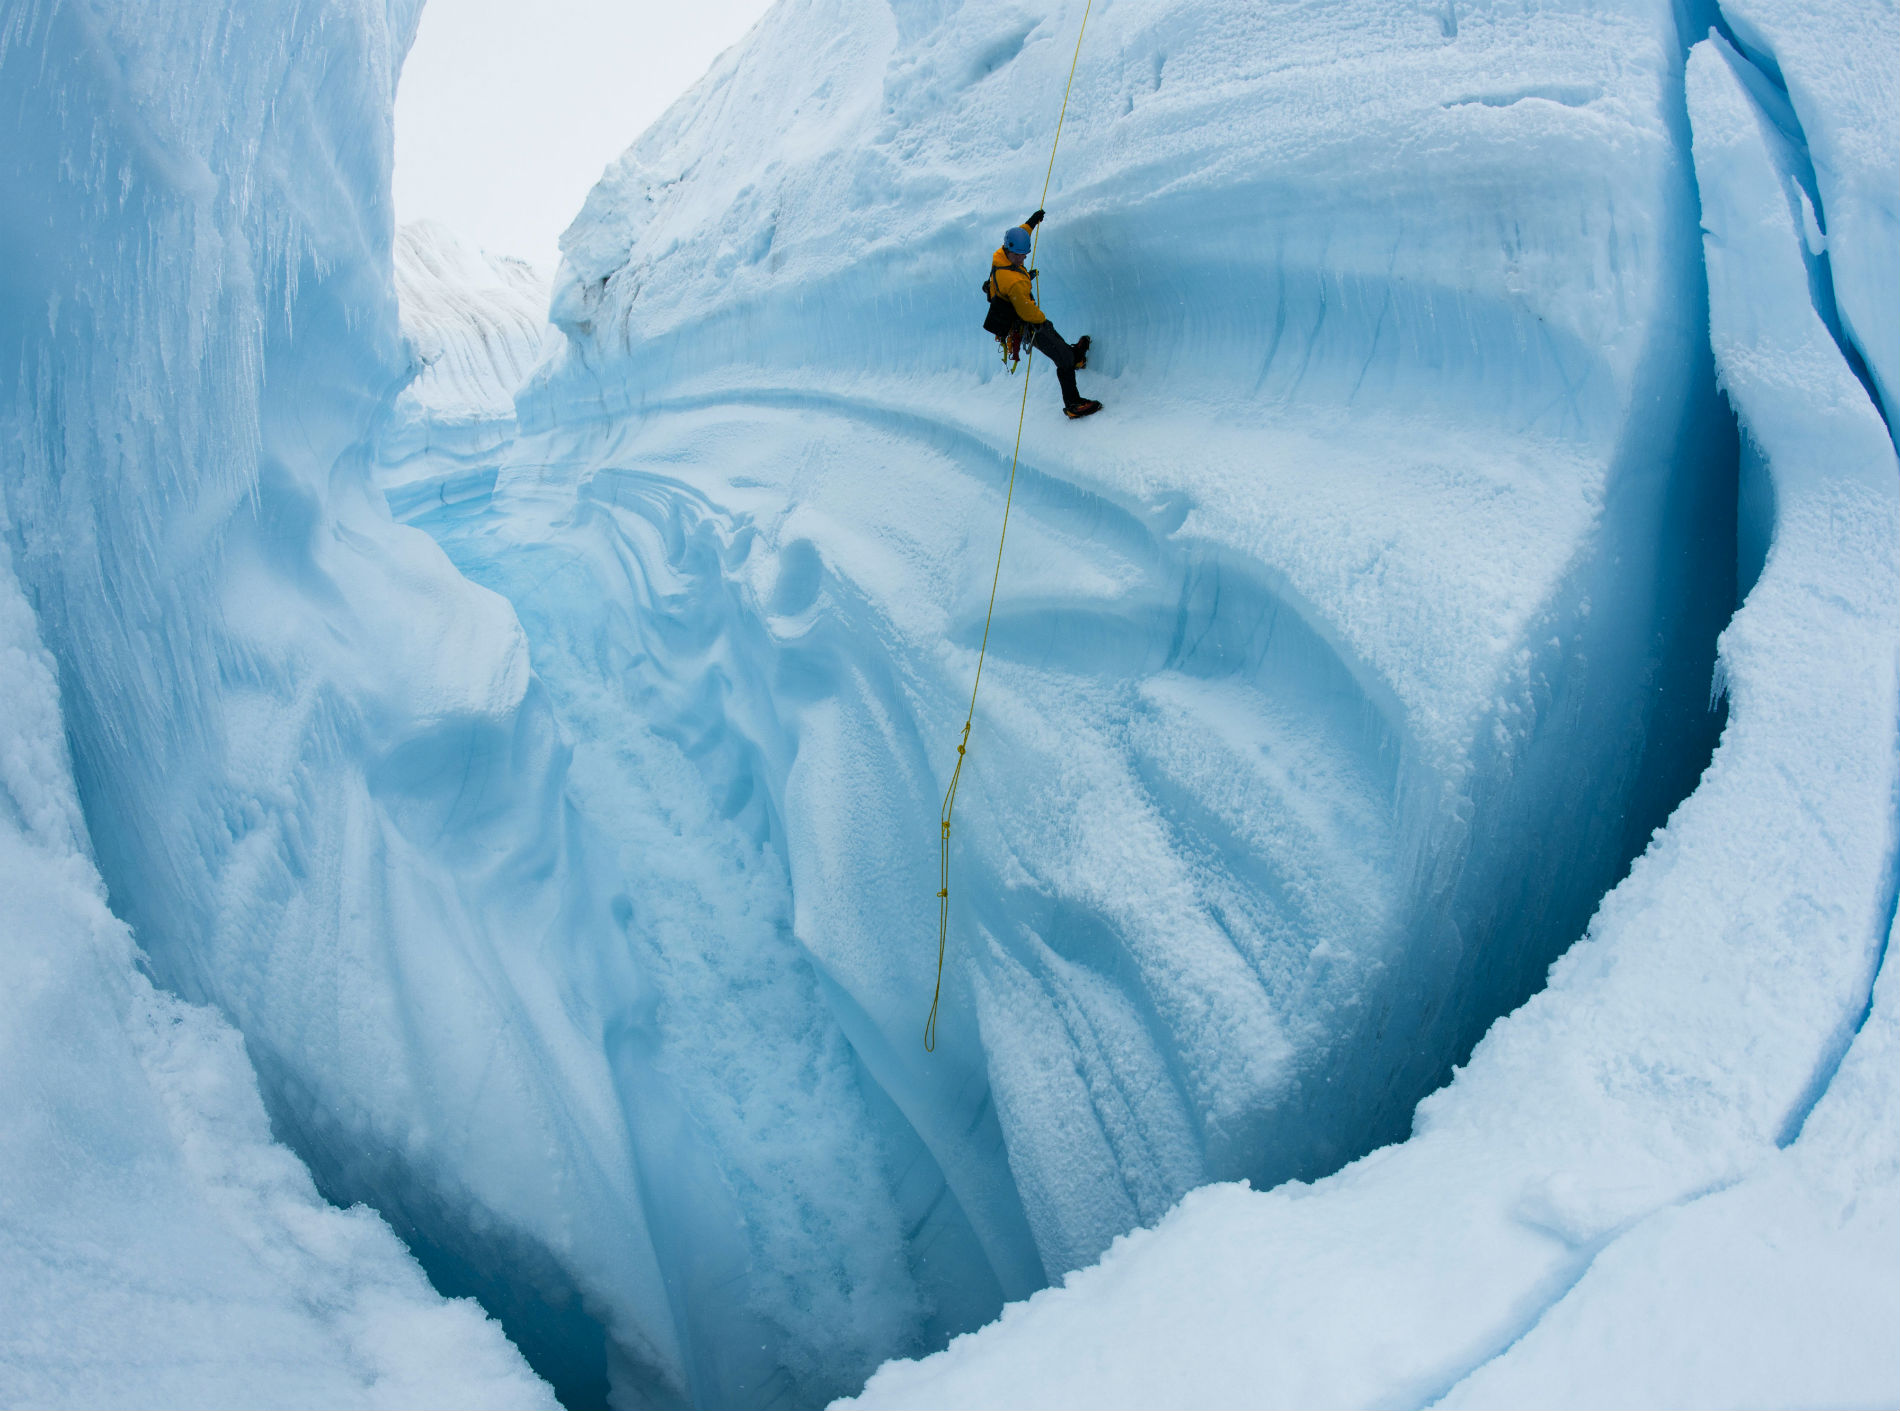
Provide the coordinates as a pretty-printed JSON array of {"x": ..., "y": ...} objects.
[
  {"x": 166, "y": 437},
  {"x": 1428, "y": 849},
  {"x": 160, "y": 1248}
]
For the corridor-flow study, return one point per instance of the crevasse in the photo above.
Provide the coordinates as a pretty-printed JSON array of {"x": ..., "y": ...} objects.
[
  {"x": 1289, "y": 672},
  {"x": 568, "y": 870}
]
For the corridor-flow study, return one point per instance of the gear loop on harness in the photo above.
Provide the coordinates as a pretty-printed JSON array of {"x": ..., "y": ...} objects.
[{"x": 1012, "y": 348}]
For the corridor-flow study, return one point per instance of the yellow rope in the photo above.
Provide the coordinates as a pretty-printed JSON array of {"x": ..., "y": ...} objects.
[{"x": 1009, "y": 496}]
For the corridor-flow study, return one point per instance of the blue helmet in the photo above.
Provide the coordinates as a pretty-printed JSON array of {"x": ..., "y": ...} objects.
[{"x": 1016, "y": 240}]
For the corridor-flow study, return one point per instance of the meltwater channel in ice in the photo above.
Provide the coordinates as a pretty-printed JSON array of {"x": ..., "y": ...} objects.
[
  {"x": 1289, "y": 671},
  {"x": 564, "y": 850}
]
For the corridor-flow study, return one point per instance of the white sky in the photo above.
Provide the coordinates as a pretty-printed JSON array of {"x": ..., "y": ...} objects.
[{"x": 509, "y": 109}]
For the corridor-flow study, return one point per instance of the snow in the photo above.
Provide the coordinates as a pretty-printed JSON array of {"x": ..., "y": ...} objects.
[
  {"x": 1705, "y": 1303},
  {"x": 160, "y": 1248},
  {"x": 476, "y": 326},
  {"x": 1388, "y": 543},
  {"x": 168, "y": 499},
  {"x": 1279, "y": 285},
  {"x": 549, "y": 867},
  {"x": 1825, "y": 60},
  {"x": 1655, "y": 1244}
]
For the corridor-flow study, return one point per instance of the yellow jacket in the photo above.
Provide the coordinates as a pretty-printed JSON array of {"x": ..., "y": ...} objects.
[{"x": 1008, "y": 282}]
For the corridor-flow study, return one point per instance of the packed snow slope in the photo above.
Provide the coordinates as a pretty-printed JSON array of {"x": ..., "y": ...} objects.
[{"x": 163, "y": 440}]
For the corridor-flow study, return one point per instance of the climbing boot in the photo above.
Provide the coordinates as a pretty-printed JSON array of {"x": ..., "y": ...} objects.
[
  {"x": 1081, "y": 409},
  {"x": 1081, "y": 352}
]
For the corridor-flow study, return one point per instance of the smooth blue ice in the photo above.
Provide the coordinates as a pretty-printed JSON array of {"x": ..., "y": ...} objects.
[
  {"x": 195, "y": 323},
  {"x": 529, "y": 739}
]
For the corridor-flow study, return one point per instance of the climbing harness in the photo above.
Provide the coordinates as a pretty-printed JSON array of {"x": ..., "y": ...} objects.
[
  {"x": 1008, "y": 330},
  {"x": 1014, "y": 345},
  {"x": 1009, "y": 495},
  {"x": 1011, "y": 333}
]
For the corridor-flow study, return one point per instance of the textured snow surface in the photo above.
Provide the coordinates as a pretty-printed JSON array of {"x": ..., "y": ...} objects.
[
  {"x": 159, "y": 1248},
  {"x": 166, "y": 513},
  {"x": 1834, "y": 66},
  {"x": 565, "y": 856},
  {"x": 476, "y": 325},
  {"x": 1406, "y": 529},
  {"x": 1624, "y": 1199}
]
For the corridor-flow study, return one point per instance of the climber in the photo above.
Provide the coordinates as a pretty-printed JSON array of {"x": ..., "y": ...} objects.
[{"x": 1013, "y": 311}]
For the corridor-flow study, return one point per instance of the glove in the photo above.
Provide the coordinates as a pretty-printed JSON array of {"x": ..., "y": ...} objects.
[{"x": 1034, "y": 220}]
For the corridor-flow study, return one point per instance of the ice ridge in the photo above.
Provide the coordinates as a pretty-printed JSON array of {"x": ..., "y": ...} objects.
[{"x": 160, "y": 1246}]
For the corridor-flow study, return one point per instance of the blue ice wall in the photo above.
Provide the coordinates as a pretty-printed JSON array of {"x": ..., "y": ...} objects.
[
  {"x": 572, "y": 881},
  {"x": 279, "y": 703},
  {"x": 1336, "y": 672}
]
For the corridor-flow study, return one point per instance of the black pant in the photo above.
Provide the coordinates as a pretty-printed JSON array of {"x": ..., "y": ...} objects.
[{"x": 1049, "y": 343}]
